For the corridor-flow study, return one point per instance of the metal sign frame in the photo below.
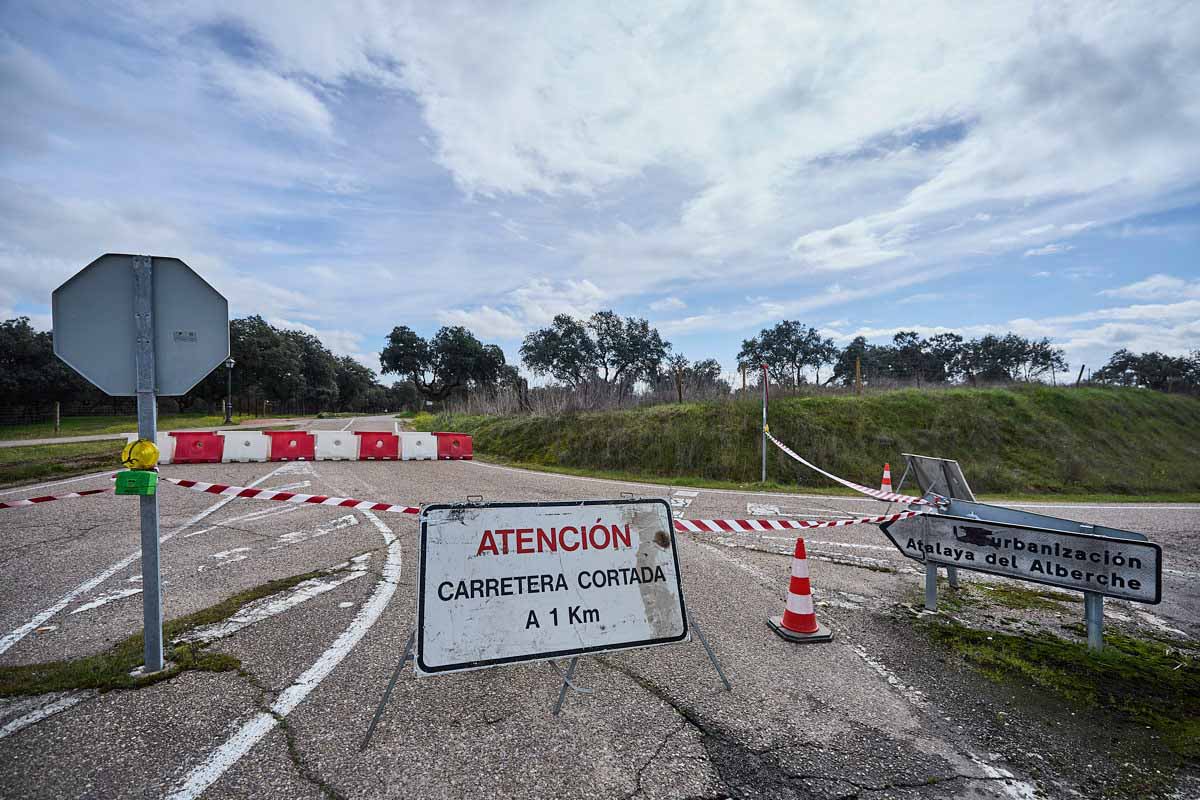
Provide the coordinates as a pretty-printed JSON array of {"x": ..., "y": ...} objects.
[{"x": 424, "y": 669}]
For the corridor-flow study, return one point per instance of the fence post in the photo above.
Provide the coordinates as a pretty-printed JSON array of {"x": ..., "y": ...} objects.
[{"x": 57, "y": 416}]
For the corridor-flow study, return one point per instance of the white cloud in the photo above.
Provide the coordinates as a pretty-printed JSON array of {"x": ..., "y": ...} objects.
[
  {"x": 668, "y": 304},
  {"x": 1157, "y": 287},
  {"x": 530, "y": 306},
  {"x": 1050, "y": 249},
  {"x": 274, "y": 98}
]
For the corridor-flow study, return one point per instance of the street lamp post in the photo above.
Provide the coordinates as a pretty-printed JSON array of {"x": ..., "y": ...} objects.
[{"x": 229, "y": 362}]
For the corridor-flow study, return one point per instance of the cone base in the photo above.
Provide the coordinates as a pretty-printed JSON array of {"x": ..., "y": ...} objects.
[{"x": 822, "y": 634}]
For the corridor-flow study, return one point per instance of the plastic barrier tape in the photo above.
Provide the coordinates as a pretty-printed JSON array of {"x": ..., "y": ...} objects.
[
  {"x": 33, "y": 501},
  {"x": 292, "y": 497},
  {"x": 743, "y": 525},
  {"x": 890, "y": 497}
]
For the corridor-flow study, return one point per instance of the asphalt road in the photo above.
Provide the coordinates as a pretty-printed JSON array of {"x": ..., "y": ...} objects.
[{"x": 879, "y": 712}]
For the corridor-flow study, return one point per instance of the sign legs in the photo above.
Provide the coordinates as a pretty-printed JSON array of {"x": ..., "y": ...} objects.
[
  {"x": 387, "y": 694},
  {"x": 711, "y": 655},
  {"x": 566, "y": 681},
  {"x": 1093, "y": 617},
  {"x": 930, "y": 586}
]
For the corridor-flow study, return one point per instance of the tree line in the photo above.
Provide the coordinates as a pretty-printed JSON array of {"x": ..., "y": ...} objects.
[{"x": 592, "y": 362}]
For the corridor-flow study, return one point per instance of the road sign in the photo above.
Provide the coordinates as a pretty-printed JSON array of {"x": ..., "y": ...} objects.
[
  {"x": 142, "y": 325},
  {"x": 1115, "y": 566},
  {"x": 95, "y": 326},
  {"x": 503, "y": 583}
]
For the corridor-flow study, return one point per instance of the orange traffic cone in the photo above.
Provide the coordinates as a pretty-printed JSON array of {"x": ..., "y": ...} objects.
[
  {"x": 886, "y": 484},
  {"x": 799, "y": 620}
]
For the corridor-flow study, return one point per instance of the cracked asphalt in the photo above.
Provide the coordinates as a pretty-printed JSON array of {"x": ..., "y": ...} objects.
[{"x": 879, "y": 712}]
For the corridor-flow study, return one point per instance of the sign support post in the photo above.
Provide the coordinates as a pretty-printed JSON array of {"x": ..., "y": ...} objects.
[
  {"x": 1093, "y": 617},
  {"x": 764, "y": 424},
  {"x": 147, "y": 412}
]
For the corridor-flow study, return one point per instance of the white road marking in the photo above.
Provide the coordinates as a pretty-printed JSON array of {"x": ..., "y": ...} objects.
[
  {"x": 207, "y": 772},
  {"x": 42, "y": 707},
  {"x": 910, "y": 693},
  {"x": 269, "y": 607},
  {"x": 1160, "y": 623},
  {"x": 346, "y": 427},
  {"x": 686, "y": 493},
  {"x": 295, "y": 537},
  {"x": 104, "y": 600},
  {"x": 226, "y": 557},
  {"x": 253, "y": 516},
  {"x": 16, "y": 635}
]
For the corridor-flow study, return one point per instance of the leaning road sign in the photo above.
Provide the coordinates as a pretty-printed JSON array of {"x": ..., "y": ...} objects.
[
  {"x": 503, "y": 583},
  {"x": 1034, "y": 547}
]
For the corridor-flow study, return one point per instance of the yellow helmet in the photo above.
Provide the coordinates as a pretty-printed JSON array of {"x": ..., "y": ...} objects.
[{"x": 140, "y": 454}]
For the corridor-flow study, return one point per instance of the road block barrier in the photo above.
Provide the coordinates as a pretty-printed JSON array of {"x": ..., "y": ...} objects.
[
  {"x": 418, "y": 446},
  {"x": 197, "y": 447},
  {"x": 378, "y": 446},
  {"x": 453, "y": 446},
  {"x": 889, "y": 497},
  {"x": 244, "y": 446},
  {"x": 799, "y": 620},
  {"x": 336, "y": 446},
  {"x": 292, "y": 446}
]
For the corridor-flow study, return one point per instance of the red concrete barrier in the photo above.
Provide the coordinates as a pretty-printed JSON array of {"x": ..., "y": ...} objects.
[
  {"x": 292, "y": 446},
  {"x": 197, "y": 447},
  {"x": 452, "y": 446},
  {"x": 378, "y": 446}
]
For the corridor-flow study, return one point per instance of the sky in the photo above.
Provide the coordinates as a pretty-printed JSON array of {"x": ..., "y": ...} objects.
[{"x": 714, "y": 167}]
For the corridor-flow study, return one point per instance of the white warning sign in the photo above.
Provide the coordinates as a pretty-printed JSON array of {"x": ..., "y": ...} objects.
[{"x": 503, "y": 583}]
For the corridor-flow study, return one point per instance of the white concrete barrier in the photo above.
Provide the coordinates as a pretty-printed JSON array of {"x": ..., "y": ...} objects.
[
  {"x": 418, "y": 446},
  {"x": 244, "y": 446},
  {"x": 336, "y": 445}
]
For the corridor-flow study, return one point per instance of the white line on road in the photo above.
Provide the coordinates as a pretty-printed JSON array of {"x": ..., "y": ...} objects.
[
  {"x": 258, "y": 726},
  {"x": 346, "y": 427},
  {"x": 41, "y": 712},
  {"x": 104, "y": 600},
  {"x": 272, "y": 606},
  {"x": 14, "y": 636}
]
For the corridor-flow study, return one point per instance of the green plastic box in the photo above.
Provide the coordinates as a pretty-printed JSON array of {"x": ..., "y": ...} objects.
[{"x": 137, "y": 481}]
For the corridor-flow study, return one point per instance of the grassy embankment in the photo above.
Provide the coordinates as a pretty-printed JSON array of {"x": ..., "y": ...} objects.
[{"x": 1090, "y": 443}]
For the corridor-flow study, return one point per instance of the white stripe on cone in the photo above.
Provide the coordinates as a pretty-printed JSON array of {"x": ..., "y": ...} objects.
[
  {"x": 799, "y": 568},
  {"x": 800, "y": 603}
]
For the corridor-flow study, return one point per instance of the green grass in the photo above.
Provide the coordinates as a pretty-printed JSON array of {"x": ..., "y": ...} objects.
[
  {"x": 110, "y": 670},
  {"x": 1148, "y": 682},
  {"x": 84, "y": 426},
  {"x": 1028, "y": 440},
  {"x": 38, "y": 462}
]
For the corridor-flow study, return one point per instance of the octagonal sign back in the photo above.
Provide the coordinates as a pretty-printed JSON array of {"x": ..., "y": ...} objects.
[{"x": 95, "y": 331}]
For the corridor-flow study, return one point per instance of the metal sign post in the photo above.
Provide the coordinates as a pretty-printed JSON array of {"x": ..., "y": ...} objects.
[
  {"x": 147, "y": 413},
  {"x": 142, "y": 326},
  {"x": 764, "y": 423}
]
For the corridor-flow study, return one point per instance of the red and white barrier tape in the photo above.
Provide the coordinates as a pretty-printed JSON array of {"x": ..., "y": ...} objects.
[
  {"x": 743, "y": 525},
  {"x": 292, "y": 497},
  {"x": 33, "y": 501},
  {"x": 878, "y": 494}
]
